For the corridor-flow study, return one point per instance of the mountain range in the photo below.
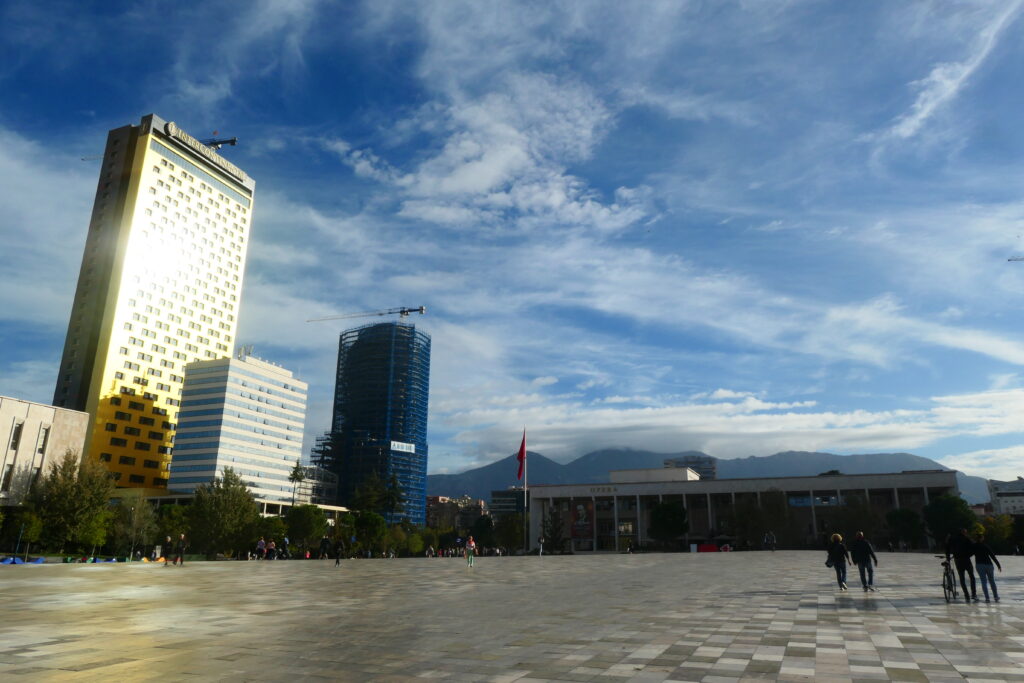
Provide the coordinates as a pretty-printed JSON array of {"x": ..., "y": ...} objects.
[{"x": 593, "y": 468}]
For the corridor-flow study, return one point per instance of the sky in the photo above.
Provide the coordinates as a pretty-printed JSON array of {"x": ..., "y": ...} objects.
[{"x": 737, "y": 227}]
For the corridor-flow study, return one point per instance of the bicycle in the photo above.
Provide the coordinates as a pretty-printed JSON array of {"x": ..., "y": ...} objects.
[{"x": 948, "y": 579}]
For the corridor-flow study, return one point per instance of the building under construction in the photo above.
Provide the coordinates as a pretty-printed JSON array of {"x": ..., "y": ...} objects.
[{"x": 379, "y": 424}]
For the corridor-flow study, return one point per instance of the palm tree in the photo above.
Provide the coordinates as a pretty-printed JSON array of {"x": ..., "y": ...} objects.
[{"x": 298, "y": 475}]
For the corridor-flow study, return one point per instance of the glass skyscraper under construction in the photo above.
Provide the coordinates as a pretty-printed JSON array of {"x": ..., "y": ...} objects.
[{"x": 380, "y": 413}]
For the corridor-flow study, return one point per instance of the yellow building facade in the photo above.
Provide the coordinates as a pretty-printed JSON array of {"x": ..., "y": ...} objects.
[{"x": 159, "y": 287}]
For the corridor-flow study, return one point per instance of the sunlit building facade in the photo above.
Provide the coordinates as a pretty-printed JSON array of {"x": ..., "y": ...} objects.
[
  {"x": 243, "y": 413},
  {"x": 159, "y": 287}
]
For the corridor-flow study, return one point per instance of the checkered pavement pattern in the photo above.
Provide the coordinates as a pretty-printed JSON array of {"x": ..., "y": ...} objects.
[{"x": 645, "y": 617}]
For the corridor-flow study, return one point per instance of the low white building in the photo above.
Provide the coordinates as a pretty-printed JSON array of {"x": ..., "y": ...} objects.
[
  {"x": 616, "y": 515},
  {"x": 1007, "y": 496},
  {"x": 32, "y": 435}
]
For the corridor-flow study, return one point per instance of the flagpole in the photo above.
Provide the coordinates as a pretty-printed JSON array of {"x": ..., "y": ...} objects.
[{"x": 526, "y": 501}]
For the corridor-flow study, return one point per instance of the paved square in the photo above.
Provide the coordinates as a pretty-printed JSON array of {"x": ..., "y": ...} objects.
[{"x": 709, "y": 617}]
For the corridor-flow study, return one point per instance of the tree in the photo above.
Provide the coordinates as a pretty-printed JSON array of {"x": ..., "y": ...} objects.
[
  {"x": 172, "y": 521},
  {"x": 553, "y": 529},
  {"x": 669, "y": 522},
  {"x": 297, "y": 476},
  {"x": 133, "y": 523},
  {"x": 508, "y": 532},
  {"x": 72, "y": 500},
  {"x": 483, "y": 531},
  {"x": 306, "y": 524},
  {"x": 905, "y": 525},
  {"x": 29, "y": 527},
  {"x": 370, "y": 530},
  {"x": 369, "y": 495},
  {"x": 222, "y": 515},
  {"x": 414, "y": 543},
  {"x": 397, "y": 539},
  {"x": 391, "y": 500},
  {"x": 999, "y": 532},
  {"x": 946, "y": 515}
]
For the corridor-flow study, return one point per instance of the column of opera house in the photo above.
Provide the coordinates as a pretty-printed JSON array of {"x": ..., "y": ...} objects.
[{"x": 616, "y": 515}]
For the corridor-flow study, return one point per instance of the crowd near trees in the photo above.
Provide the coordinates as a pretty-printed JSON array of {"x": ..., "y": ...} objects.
[{"x": 74, "y": 509}]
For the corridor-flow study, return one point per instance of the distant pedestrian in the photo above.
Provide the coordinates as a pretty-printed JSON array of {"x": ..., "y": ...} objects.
[
  {"x": 179, "y": 550},
  {"x": 261, "y": 549},
  {"x": 961, "y": 547},
  {"x": 271, "y": 550},
  {"x": 167, "y": 550},
  {"x": 325, "y": 547},
  {"x": 863, "y": 554},
  {"x": 838, "y": 556},
  {"x": 338, "y": 550},
  {"x": 983, "y": 559},
  {"x": 769, "y": 540},
  {"x": 470, "y": 550}
]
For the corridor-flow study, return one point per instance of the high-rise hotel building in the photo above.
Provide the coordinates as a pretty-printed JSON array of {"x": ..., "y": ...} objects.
[{"x": 159, "y": 287}]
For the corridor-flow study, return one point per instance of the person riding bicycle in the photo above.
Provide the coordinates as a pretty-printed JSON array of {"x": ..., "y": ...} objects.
[{"x": 961, "y": 547}]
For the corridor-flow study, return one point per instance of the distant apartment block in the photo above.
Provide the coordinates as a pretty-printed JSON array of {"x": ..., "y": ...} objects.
[
  {"x": 32, "y": 435},
  {"x": 159, "y": 287},
  {"x": 505, "y": 502},
  {"x": 242, "y": 413},
  {"x": 704, "y": 465},
  {"x": 1007, "y": 496}
]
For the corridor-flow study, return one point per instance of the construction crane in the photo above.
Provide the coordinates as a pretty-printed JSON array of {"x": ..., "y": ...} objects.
[
  {"x": 403, "y": 311},
  {"x": 217, "y": 143}
]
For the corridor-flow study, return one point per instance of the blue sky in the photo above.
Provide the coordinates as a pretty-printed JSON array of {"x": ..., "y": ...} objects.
[{"x": 739, "y": 227}]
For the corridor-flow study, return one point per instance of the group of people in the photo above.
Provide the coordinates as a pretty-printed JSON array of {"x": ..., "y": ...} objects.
[
  {"x": 173, "y": 552},
  {"x": 961, "y": 547},
  {"x": 861, "y": 553}
]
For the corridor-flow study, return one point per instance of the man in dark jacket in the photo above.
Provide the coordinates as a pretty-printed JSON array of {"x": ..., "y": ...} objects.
[
  {"x": 179, "y": 551},
  {"x": 863, "y": 554},
  {"x": 961, "y": 547}
]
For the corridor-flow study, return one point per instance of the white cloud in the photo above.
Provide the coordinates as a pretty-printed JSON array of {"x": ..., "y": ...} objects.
[
  {"x": 946, "y": 80},
  {"x": 1004, "y": 464}
]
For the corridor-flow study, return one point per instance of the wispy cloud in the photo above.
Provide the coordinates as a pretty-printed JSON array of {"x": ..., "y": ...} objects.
[{"x": 946, "y": 80}]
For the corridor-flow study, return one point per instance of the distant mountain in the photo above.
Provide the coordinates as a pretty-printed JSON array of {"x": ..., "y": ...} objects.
[{"x": 593, "y": 468}]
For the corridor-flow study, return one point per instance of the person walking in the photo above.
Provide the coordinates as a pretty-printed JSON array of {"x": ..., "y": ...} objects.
[
  {"x": 961, "y": 547},
  {"x": 166, "y": 551},
  {"x": 325, "y": 547},
  {"x": 838, "y": 556},
  {"x": 179, "y": 550},
  {"x": 261, "y": 549},
  {"x": 470, "y": 550},
  {"x": 983, "y": 559},
  {"x": 863, "y": 554},
  {"x": 338, "y": 549}
]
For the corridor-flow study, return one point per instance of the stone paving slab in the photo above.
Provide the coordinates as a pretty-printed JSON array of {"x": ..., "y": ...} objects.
[{"x": 708, "y": 617}]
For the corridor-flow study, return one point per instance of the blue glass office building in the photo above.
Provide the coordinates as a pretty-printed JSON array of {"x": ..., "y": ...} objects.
[{"x": 380, "y": 413}]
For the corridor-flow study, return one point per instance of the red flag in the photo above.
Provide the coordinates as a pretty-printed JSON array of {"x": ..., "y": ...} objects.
[{"x": 522, "y": 456}]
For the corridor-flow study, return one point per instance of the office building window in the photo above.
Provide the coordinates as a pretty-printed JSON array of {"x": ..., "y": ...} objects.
[
  {"x": 117, "y": 441},
  {"x": 151, "y": 464},
  {"x": 126, "y": 460},
  {"x": 136, "y": 479},
  {"x": 16, "y": 435},
  {"x": 141, "y": 446},
  {"x": 5, "y": 483},
  {"x": 110, "y": 427},
  {"x": 105, "y": 457}
]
